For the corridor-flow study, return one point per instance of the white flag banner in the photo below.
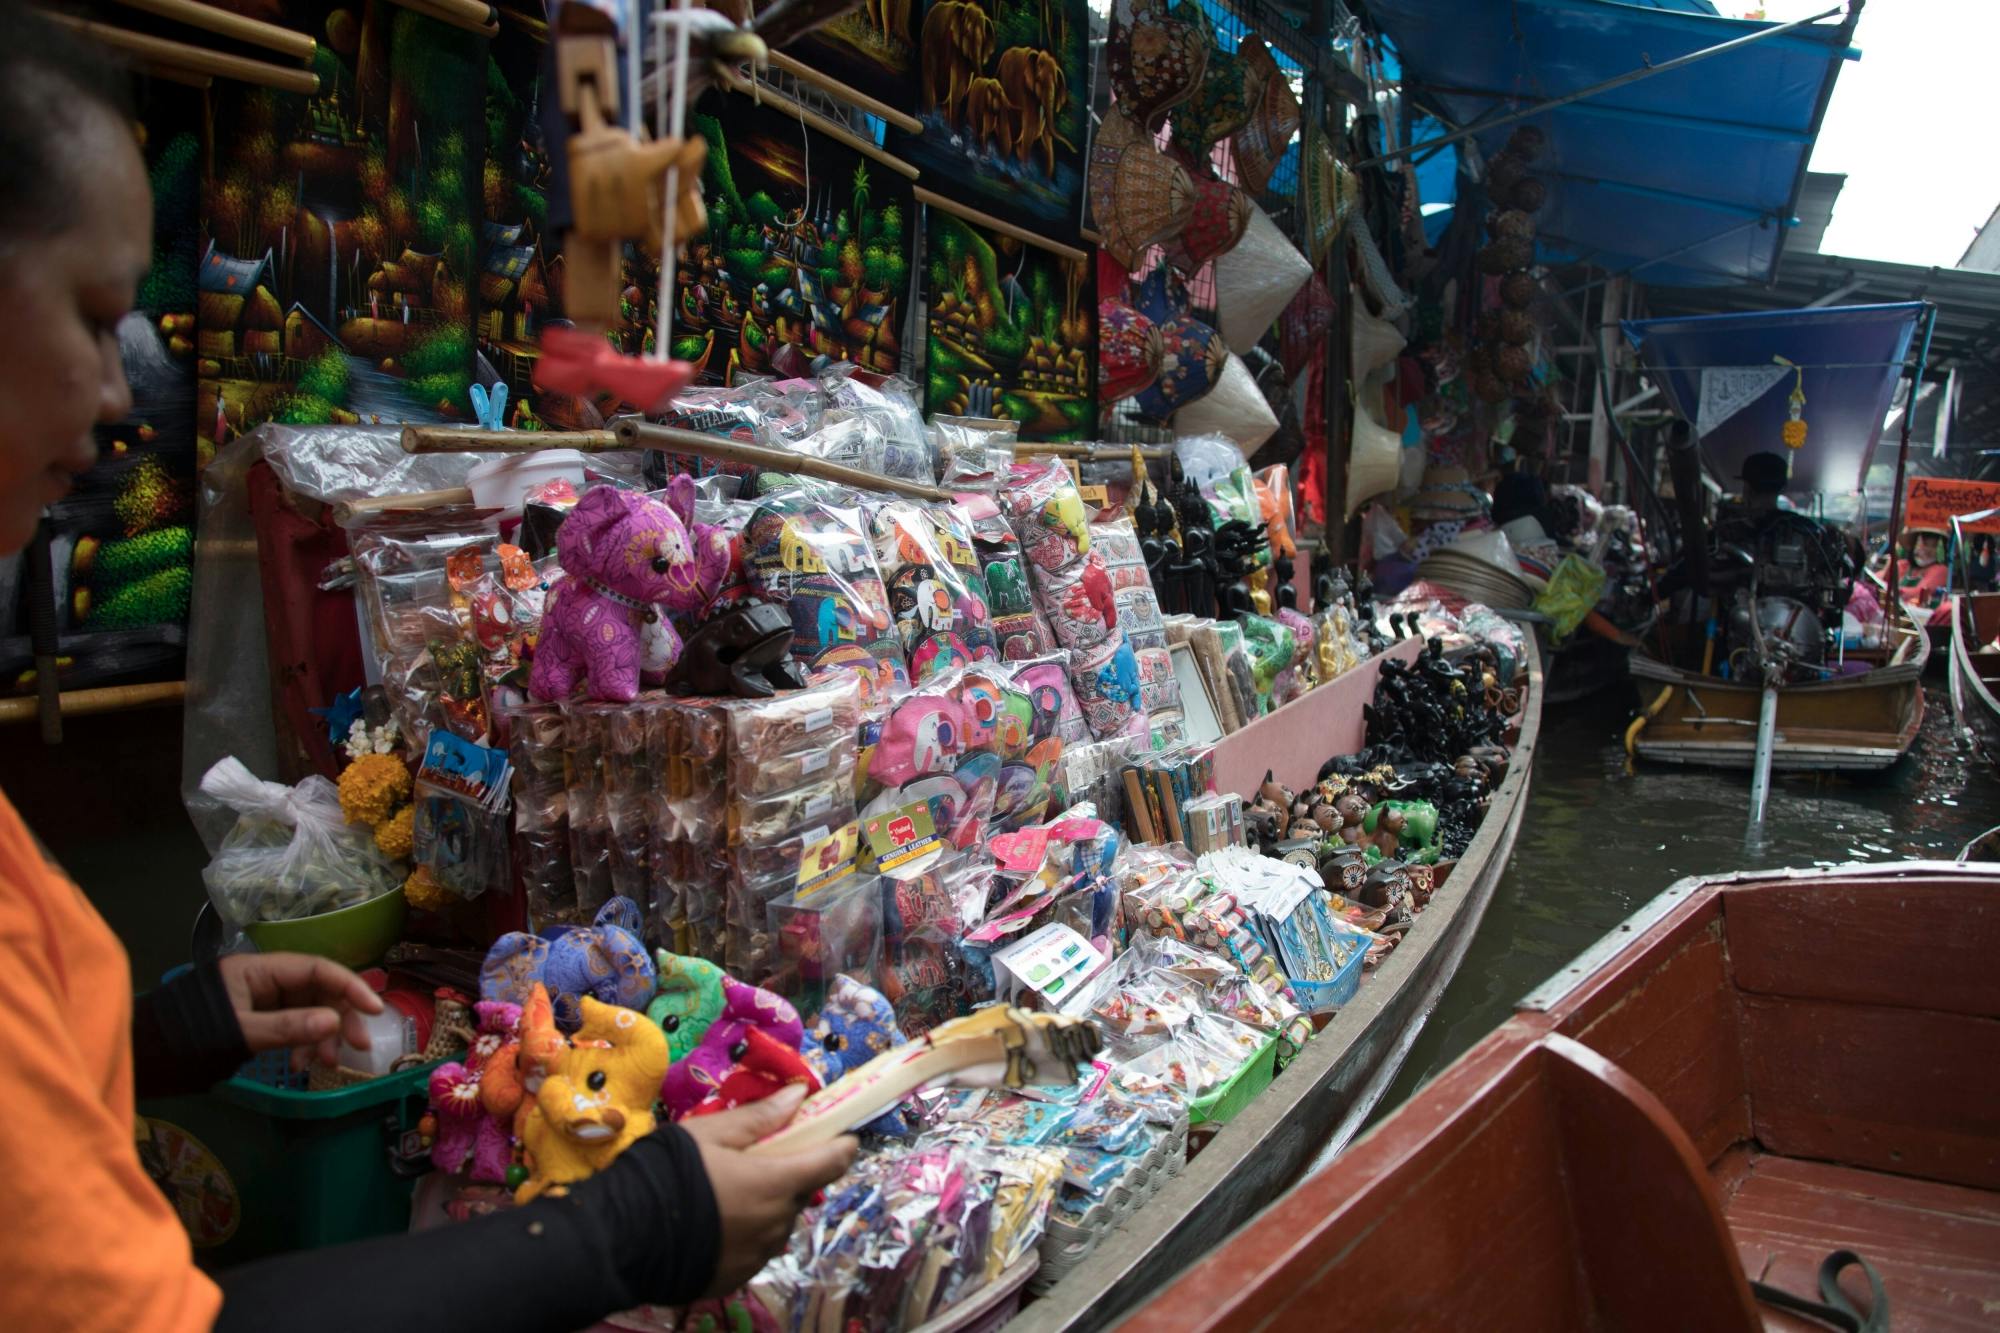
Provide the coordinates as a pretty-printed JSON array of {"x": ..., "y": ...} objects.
[{"x": 1727, "y": 390}]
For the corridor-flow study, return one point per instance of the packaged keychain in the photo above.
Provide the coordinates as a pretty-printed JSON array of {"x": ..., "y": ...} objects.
[{"x": 460, "y": 827}]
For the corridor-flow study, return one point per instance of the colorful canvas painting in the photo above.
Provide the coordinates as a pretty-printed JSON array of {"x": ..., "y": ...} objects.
[
  {"x": 1012, "y": 331},
  {"x": 806, "y": 259},
  {"x": 872, "y": 47},
  {"x": 343, "y": 230},
  {"x": 1004, "y": 94},
  {"x": 122, "y": 542},
  {"x": 519, "y": 290}
]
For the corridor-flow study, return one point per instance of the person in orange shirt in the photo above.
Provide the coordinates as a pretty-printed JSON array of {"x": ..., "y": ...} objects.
[{"x": 91, "y": 1243}]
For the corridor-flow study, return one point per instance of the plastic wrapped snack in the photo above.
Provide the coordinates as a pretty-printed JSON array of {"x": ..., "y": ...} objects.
[{"x": 291, "y": 852}]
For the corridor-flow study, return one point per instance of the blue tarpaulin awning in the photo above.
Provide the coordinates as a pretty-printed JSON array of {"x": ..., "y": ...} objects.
[
  {"x": 1688, "y": 177},
  {"x": 1850, "y": 358}
]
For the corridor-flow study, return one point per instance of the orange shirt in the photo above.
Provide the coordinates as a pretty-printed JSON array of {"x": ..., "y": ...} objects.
[{"x": 91, "y": 1243}]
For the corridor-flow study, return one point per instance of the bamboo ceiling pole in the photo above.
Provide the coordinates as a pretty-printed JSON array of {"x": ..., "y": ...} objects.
[
  {"x": 287, "y": 42},
  {"x": 470, "y": 440},
  {"x": 634, "y": 433},
  {"x": 932, "y": 199},
  {"x": 107, "y": 699},
  {"x": 346, "y": 511},
  {"x": 471, "y": 15},
  {"x": 806, "y": 74},
  {"x": 1099, "y": 452},
  {"x": 194, "y": 59}
]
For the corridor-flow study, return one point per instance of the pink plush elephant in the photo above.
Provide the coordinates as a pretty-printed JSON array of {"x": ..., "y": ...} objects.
[
  {"x": 628, "y": 560},
  {"x": 721, "y": 1050}
]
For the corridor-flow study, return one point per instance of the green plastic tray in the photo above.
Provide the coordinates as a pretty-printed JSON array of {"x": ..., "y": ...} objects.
[{"x": 1222, "y": 1105}]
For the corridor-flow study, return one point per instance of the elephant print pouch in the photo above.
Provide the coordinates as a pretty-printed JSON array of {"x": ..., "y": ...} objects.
[
  {"x": 814, "y": 556},
  {"x": 937, "y": 592},
  {"x": 1079, "y": 604},
  {"x": 1053, "y": 709},
  {"x": 1107, "y": 689},
  {"x": 1048, "y": 513},
  {"x": 1019, "y": 627}
]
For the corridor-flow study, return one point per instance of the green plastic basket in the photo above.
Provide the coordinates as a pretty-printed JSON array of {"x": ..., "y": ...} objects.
[
  {"x": 257, "y": 1170},
  {"x": 1222, "y": 1105}
]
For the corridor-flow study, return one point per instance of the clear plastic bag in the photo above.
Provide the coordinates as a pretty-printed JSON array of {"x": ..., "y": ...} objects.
[{"x": 291, "y": 853}]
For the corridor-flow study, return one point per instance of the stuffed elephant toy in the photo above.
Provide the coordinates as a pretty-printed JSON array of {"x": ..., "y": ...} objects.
[{"x": 604, "y": 960}]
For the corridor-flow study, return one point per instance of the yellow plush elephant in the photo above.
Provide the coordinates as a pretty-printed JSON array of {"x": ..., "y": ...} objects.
[
  {"x": 957, "y": 43},
  {"x": 989, "y": 116},
  {"x": 597, "y": 1099},
  {"x": 1038, "y": 94}
]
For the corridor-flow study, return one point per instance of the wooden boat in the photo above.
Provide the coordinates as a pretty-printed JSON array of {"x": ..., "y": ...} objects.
[
  {"x": 1975, "y": 670},
  {"x": 1753, "y": 1071},
  {"x": 1857, "y": 722},
  {"x": 1319, "y": 1101}
]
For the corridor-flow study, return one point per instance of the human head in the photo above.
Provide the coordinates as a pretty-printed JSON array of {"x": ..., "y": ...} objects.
[
  {"x": 1765, "y": 475},
  {"x": 76, "y": 229},
  {"x": 1924, "y": 546}
]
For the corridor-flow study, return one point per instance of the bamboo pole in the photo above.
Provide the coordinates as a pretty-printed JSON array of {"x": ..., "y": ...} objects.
[
  {"x": 291, "y": 44},
  {"x": 109, "y": 699},
  {"x": 471, "y": 15},
  {"x": 806, "y": 74},
  {"x": 152, "y": 69},
  {"x": 469, "y": 440},
  {"x": 1097, "y": 451},
  {"x": 634, "y": 433},
  {"x": 932, "y": 199},
  {"x": 838, "y": 133},
  {"x": 346, "y": 511},
  {"x": 195, "y": 59}
]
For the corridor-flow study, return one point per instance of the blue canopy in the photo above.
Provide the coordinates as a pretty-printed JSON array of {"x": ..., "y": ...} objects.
[
  {"x": 1851, "y": 357},
  {"x": 1689, "y": 177}
]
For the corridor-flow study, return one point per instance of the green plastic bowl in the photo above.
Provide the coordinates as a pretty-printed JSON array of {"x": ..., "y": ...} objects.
[{"x": 356, "y": 936}]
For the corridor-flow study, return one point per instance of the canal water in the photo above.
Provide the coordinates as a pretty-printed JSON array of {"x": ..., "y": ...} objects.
[{"x": 1598, "y": 841}]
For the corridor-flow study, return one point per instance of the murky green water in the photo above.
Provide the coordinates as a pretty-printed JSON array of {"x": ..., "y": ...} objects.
[{"x": 1597, "y": 842}]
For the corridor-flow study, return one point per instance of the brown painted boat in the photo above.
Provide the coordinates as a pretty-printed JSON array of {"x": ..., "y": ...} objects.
[
  {"x": 1854, "y": 722},
  {"x": 1322, "y": 1098},
  {"x": 1754, "y": 1071},
  {"x": 1975, "y": 670}
]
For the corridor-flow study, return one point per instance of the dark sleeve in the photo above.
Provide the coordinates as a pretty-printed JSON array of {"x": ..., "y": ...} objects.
[
  {"x": 185, "y": 1037},
  {"x": 643, "y": 1231}
]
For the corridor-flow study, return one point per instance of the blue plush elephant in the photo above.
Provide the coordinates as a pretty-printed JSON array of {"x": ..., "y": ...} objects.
[
  {"x": 604, "y": 960},
  {"x": 856, "y": 1024}
]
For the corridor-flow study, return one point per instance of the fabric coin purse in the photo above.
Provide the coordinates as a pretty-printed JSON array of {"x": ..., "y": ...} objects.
[{"x": 925, "y": 734}]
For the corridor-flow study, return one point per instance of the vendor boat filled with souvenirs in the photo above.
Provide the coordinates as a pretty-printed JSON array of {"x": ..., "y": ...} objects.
[{"x": 1664, "y": 1137}]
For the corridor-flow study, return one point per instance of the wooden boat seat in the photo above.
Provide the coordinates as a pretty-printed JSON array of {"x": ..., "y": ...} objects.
[{"x": 1538, "y": 1187}]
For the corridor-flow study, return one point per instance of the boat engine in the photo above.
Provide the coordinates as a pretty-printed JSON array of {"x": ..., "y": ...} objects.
[{"x": 1793, "y": 579}]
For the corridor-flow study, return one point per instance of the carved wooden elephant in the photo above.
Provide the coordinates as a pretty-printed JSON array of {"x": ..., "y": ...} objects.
[
  {"x": 891, "y": 18},
  {"x": 957, "y": 43},
  {"x": 1039, "y": 94},
  {"x": 989, "y": 116}
]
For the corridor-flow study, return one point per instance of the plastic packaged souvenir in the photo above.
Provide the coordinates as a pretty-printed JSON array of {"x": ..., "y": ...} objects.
[
  {"x": 789, "y": 722},
  {"x": 1159, "y": 688},
  {"x": 812, "y": 554},
  {"x": 937, "y": 591},
  {"x": 1139, "y": 617},
  {"x": 825, "y": 932},
  {"x": 628, "y": 773},
  {"x": 589, "y": 814},
  {"x": 828, "y": 800},
  {"x": 1053, "y": 710},
  {"x": 1117, "y": 541},
  {"x": 1047, "y": 512},
  {"x": 1019, "y": 627},
  {"x": 459, "y": 829},
  {"x": 1106, "y": 681},
  {"x": 921, "y": 927},
  {"x": 889, "y": 404},
  {"x": 973, "y": 453},
  {"x": 291, "y": 852},
  {"x": 536, "y": 749},
  {"x": 927, "y": 732},
  {"x": 1079, "y": 603},
  {"x": 766, "y": 776}
]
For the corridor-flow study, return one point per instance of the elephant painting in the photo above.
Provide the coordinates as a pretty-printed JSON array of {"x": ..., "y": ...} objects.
[
  {"x": 890, "y": 18},
  {"x": 957, "y": 43},
  {"x": 989, "y": 116},
  {"x": 1038, "y": 93}
]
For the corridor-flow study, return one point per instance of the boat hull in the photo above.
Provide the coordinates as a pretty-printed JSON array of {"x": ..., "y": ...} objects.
[
  {"x": 1855, "y": 723},
  {"x": 1320, "y": 1101},
  {"x": 1974, "y": 680}
]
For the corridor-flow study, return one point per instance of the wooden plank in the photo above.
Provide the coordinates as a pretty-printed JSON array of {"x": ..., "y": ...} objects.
[
  {"x": 1319, "y": 1102},
  {"x": 1913, "y": 943},
  {"x": 1936, "y": 1246},
  {"x": 1293, "y": 741},
  {"x": 1887, "y": 1089}
]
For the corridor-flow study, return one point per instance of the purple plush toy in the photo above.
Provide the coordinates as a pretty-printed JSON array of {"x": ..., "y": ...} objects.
[
  {"x": 694, "y": 1076},
  {"x": 629, "y": 559}
]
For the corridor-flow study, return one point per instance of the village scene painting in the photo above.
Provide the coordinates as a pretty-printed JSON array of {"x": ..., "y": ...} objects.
[
  {"x": 805, "y": 261},
  {"x": 121, "y": 543},
  {"x": 1003, "y": 97},
  {"x": 871, "y": 47},
  {"x": 520, "y": 259},
  {"x": 1012, "y": 331},
  {"x": 343, "y": 231}
]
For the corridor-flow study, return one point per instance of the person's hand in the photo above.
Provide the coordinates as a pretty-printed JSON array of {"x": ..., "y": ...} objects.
[
  {"x": 759, "y": 1197},
  {"x": 297, "y": 1001}
]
